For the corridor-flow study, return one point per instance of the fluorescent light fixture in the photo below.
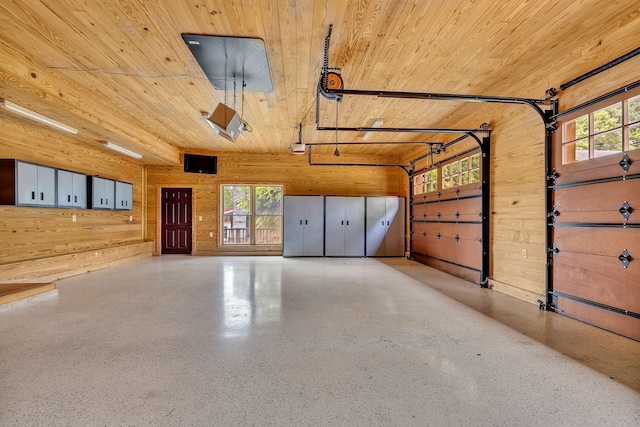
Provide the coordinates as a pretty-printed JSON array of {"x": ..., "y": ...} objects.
[
  {"x": 25, "y": 112},
  {"x": 121, "y": 150},
  {"x": 376, "y": 124}
]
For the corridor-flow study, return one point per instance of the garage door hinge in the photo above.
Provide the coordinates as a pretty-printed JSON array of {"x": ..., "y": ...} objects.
[
  {"x": 554, "y": 213},
  {"x": 554, "y": 250},
  {"x": 553, "y": 176}
]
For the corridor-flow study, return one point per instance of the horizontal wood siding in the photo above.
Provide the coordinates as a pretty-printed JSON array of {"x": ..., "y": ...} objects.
[
  {"x": 29, "y": 234},
  {"x": 291, "y": 171}
]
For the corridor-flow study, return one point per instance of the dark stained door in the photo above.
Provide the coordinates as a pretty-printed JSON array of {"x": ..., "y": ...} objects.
[{"x": 176, "y": 220}]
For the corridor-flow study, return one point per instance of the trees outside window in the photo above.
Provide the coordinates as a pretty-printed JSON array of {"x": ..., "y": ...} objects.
[{"x": 252, "y": 214}]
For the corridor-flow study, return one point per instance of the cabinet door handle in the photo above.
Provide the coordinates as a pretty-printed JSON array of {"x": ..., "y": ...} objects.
[
  {"x": 300, "y": 222},
  {"x": 75, "y": 199},
  {"x": 305, "y": 222},
  {"x": 106, "y": 201},
  {"x": 41, "y": 195},
  {"x": 33, "y": 195},
  {"x": 69, "y": 198},
  {"x": 383, "y": 223},
  {"x": 387, "y": 223},
  {"x": 341, "y": 222},
  {"x": 347, "y": 222}
]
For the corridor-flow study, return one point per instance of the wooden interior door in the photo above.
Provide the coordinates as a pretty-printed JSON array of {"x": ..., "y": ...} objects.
[{"x": 176, "y": 220}]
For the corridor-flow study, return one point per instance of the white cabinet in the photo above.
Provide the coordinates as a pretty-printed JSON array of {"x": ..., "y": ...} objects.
[
  {"x": 344, "y": 226},
  {"x": 124, "y": 196},
  {"x": 101, "y": 192},
  {"x": 72, "y": 189},
  {"x": 303, "y": 226},
  {"x": 385, "y": 226},
  {"x": 26, "y": 184}
]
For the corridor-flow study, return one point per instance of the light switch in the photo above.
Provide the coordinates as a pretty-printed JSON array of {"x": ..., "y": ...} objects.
[
  {"x": 130, "y": 218},
  {"x": 211, "y": 234},
  {"x": 73, "y": 218},
  {"x": 200, "y": 218}
]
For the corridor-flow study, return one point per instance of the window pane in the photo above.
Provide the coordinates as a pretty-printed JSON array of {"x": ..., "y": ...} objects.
[
  {"x": 575, "y": 151},
  {"x": 634, "y": 137},
  {"x": 237, "y": 200},
  {"x": 268, "y": 200},
  {"x": 582, "y": 128},
  {"x": 464, "y": 178},
  {"x": 417, "y": 189},
  {"x": 446, "y": 183},
  {"x": 238, "y": 231},
  {"x": 608, "y": 143},
  {"x": 475, "y": 161},
  {"x": 454, "y": 168},
  {"x": 454, "y": 181},
  {"x": 634, "y": 109},
  {"x": 268, "y": 229},
  {"x": 417, "y": 180},
  {"x": 607, "y": 118},
  {"x": 434, "y": 186},
  {"x": 475, "y": 175},
  {"x": 464, "y": 164},
  {"x": 446, "y": 170},
  {"x": 434, "y": 174}
]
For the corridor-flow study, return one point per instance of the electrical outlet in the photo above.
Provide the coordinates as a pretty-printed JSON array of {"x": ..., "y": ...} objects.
[
  {"x": 211, "y": 234},
  {"x": 73, "y": 218},
  {"x": 200, "y": 218},
  {"x": 130, "y": 218},
  {"x": 524, "y": 253}
]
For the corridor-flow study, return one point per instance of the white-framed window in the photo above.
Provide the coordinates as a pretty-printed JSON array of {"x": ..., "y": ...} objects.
[
  {"x": 425, "y": 182},
  {"x": 461, "y": 172},
  {"x": 251, "y": 214},
  {"x": 609, "y": 130}
]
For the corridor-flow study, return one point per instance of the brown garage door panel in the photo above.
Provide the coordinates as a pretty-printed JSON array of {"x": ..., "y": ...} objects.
[
  {"x": 456, "y": 270},
  {"x": 464, "y": 231},
  {"x": 600, "y": 168},
  {"x": 599, "y": 203},
  {"x": 467, "y": 209},
  {"x": 449, "y": 194},
  {"x": 465, "y": 252},
  {"x": 600, "y": 279},
  {"x": 610, "y": 320},
  {"x": 598, "y": 241}
]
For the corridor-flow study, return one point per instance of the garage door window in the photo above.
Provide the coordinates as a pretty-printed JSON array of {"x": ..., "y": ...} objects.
[{"x": 602, "y": 132}]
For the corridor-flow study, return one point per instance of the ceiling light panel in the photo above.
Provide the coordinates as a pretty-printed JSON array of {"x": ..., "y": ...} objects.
[{"x": 230, "y": 60}]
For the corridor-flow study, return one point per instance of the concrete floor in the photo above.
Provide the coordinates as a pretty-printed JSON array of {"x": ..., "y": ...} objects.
[{"x": 220, "y": 341}]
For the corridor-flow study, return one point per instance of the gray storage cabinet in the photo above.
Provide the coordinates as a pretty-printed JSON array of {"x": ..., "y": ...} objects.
[
  {"x": 124, "y": 196},
  {"x": 303, "y": 226},
  {"x": 385, "y": 226},
  {"x": 72, "y": 189},
  {"x": 27, "y": 184},
  {"x": 101, "y": 192},
  {"x": 344, "y": 226}
]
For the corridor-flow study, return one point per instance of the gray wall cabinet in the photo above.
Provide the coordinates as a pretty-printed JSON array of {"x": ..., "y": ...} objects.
[{"x": 72, "y": 189}]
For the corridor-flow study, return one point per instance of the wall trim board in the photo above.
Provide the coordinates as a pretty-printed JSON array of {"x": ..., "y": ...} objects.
[
  {"x": 515, "y": 292},
  {"x": 59, "y": 267}
]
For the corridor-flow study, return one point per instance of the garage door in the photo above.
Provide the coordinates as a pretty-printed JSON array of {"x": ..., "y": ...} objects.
[
  {"x": 446, "y": 217},
  {"x": 596, "y": 218}
]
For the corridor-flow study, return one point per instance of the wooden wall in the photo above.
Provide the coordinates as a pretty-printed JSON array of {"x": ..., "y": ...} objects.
[
  {"x": 291, "y": 171},
  {"x": 43, "y": 243}
]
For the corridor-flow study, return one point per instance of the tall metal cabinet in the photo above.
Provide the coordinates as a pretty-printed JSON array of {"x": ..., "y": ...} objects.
[
  {"x": 303, "y": 226},
  {"x": 385, "y": 226},
  {"x": 344, "y": 226}
]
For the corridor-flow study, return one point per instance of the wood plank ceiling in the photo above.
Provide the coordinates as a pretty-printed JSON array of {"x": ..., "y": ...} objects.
[{"x": 119, "y": 69}]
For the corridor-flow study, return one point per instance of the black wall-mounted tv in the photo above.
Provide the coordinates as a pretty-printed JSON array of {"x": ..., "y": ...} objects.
[{"x": 196, "y": 163}]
